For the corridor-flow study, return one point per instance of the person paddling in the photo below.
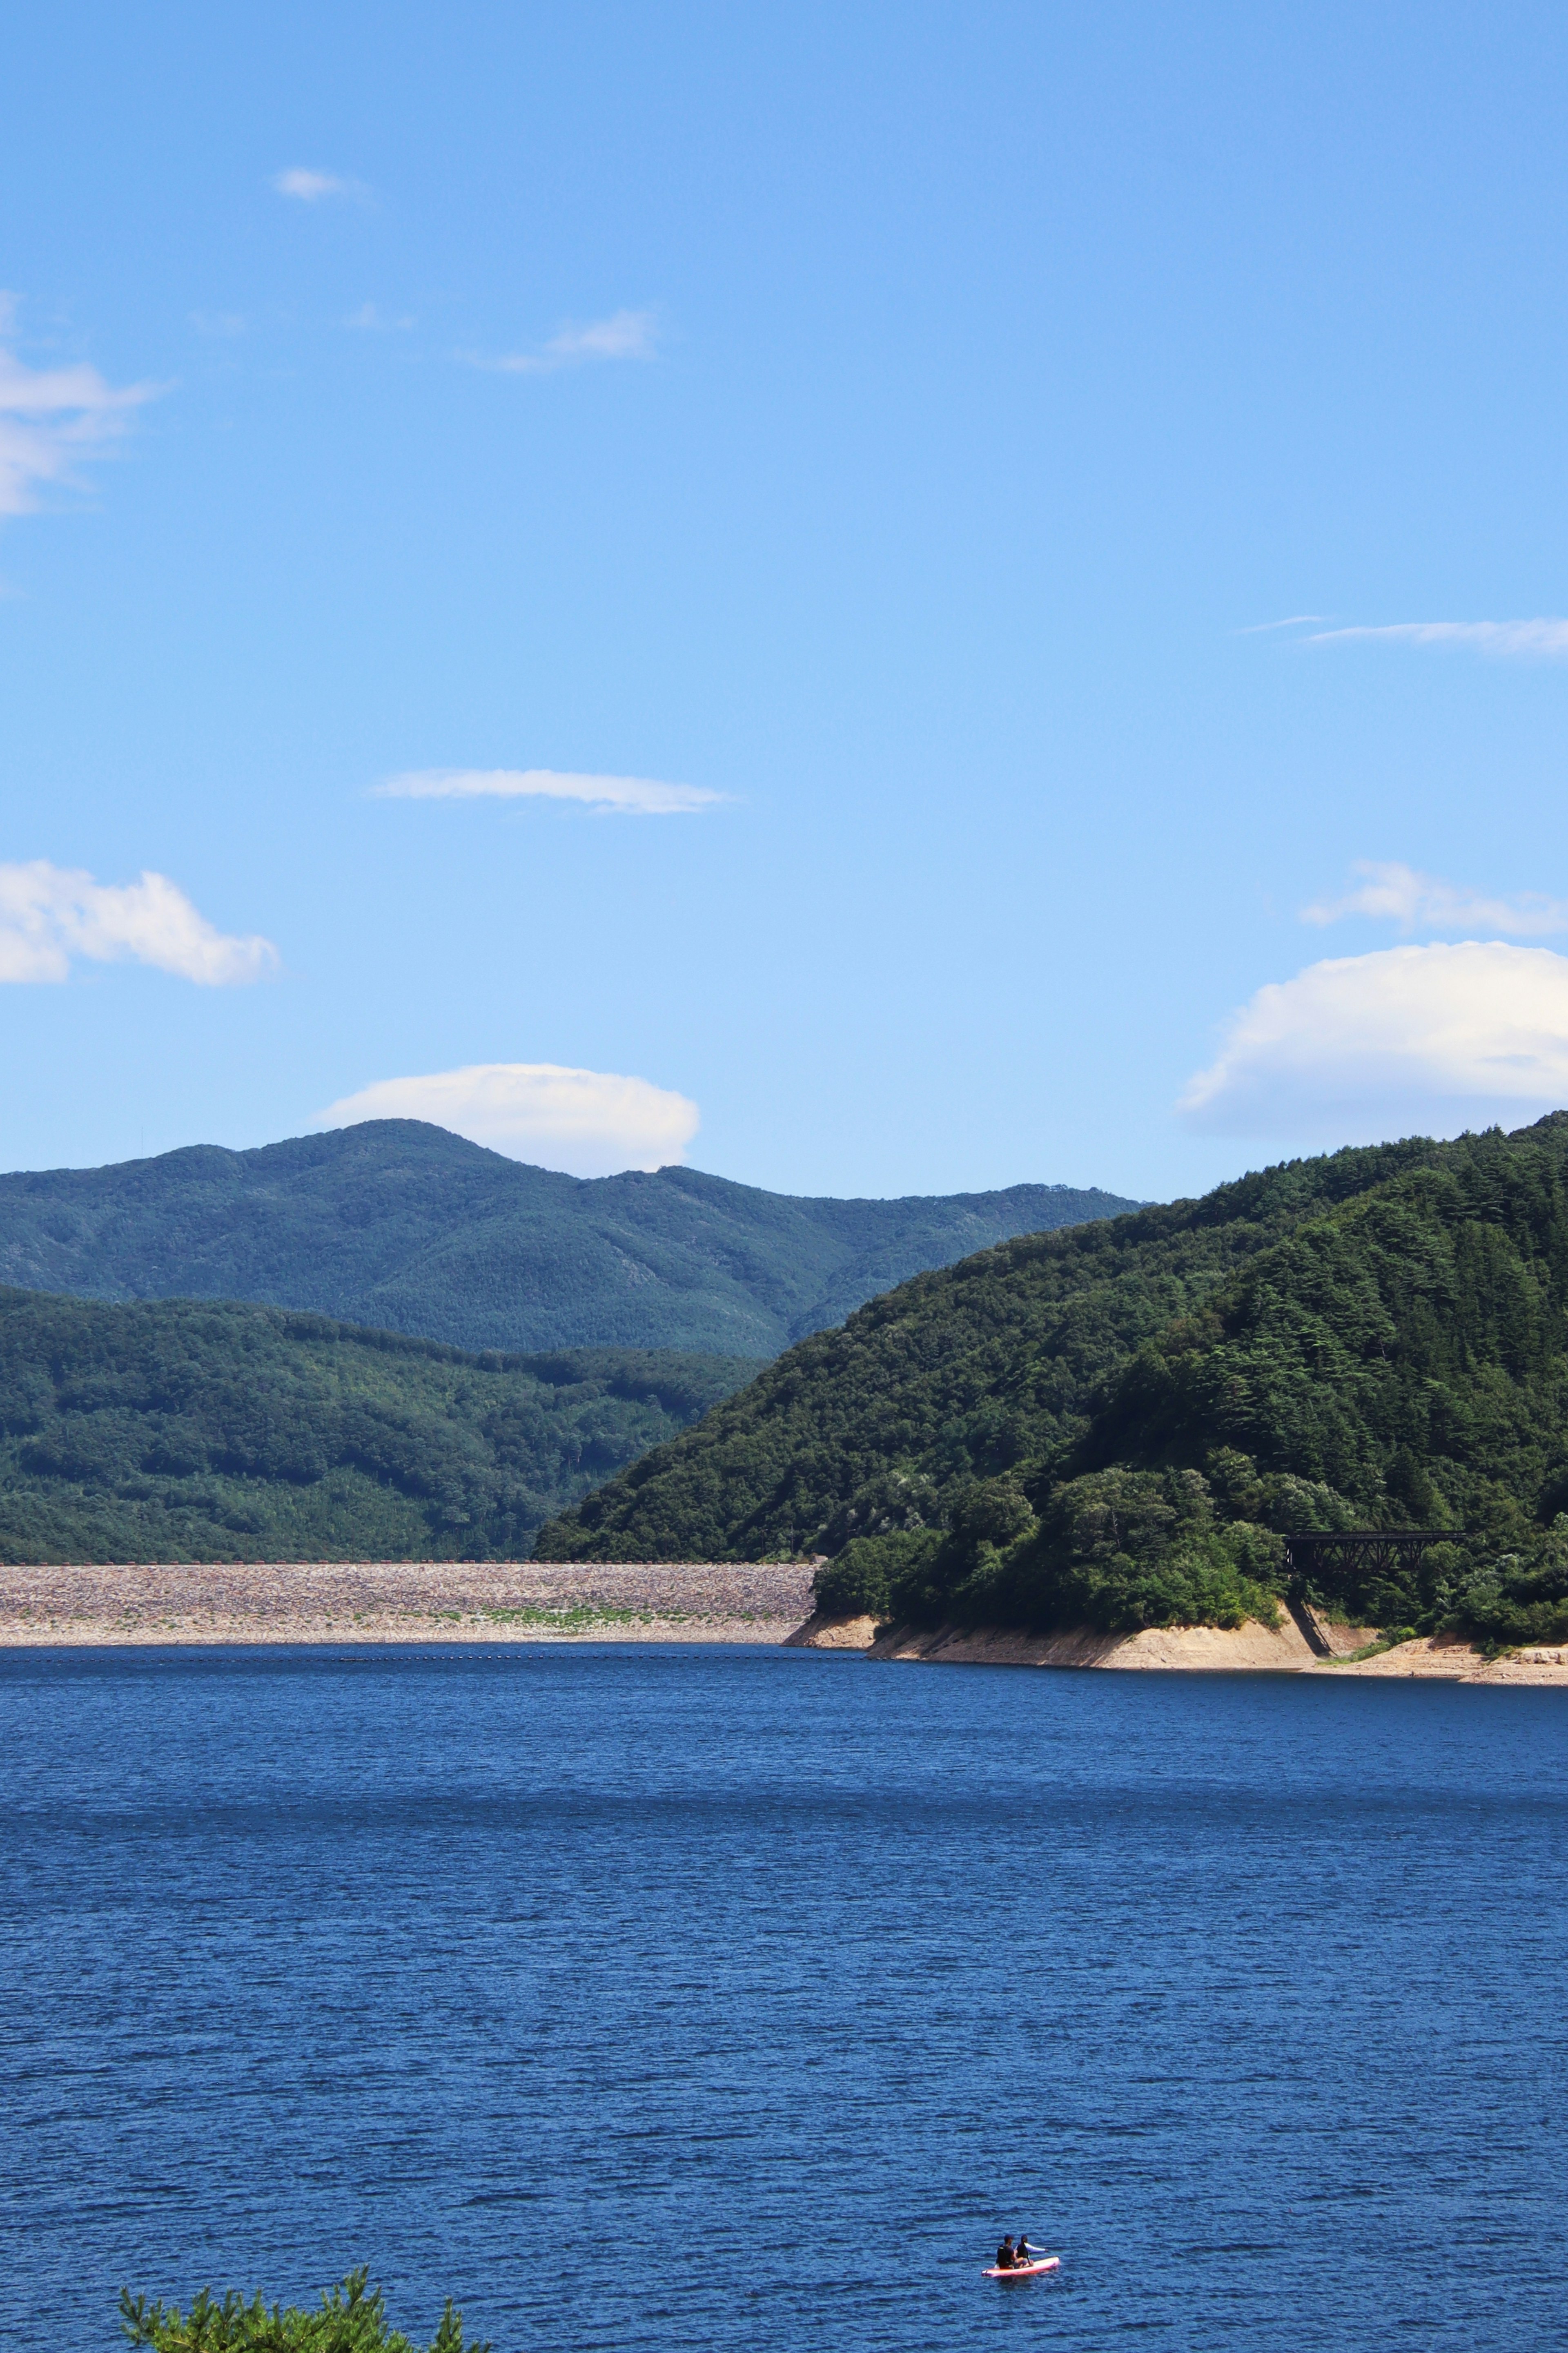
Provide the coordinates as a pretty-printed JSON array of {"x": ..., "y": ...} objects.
[{"x": 1007, "y": 2260}]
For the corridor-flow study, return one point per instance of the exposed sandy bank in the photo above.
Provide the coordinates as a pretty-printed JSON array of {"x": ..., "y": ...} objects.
[
  {"x": 361, "y": 1601},
  {"x": 1251, "y": 1649},
  {"x": 822, "y": 1632},
  {"x": 1443, "y": 1656},
  {"x": 1341, "y": 1640},
  {"x": 1528, "y": 1666},
  {"x": 1447, "y": 1658}
]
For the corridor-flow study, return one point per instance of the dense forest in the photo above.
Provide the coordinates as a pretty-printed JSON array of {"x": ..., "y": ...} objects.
[
  {"x": 401, "y": 1225},
  {"x": 187, "y": 1432},
  {"x": 1117, "y": 1424}
]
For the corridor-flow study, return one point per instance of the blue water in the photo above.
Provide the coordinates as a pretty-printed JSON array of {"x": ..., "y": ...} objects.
[{"x": 649, "y": 1998}]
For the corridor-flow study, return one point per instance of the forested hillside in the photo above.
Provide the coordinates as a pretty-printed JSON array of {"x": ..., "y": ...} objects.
[
  {"x": 180, "y": 1431},
  {"x": 1116, "y": 1424},
  {"x": 403, "y": 1226}
]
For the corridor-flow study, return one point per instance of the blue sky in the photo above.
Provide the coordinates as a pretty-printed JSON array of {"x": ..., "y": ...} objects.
[{"x": 894, "y": 433}]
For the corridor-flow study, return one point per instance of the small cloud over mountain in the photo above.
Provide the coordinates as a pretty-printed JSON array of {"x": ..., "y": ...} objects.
[{"x": 585, "y": 1123}]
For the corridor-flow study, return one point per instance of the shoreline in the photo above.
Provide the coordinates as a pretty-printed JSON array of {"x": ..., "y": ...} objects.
[
  {"x": 1251, "y": 1648},
  {"x": 291, "y": 1603}
]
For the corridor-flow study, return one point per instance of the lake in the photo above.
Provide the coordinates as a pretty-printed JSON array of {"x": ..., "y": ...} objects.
[{"x": 704, "y": 1997}]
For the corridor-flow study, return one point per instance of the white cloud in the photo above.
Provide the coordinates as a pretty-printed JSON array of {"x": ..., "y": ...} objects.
[
  {"x": 50, "y": 418},
  {"x": 627, "y": 335},
  {"x": 623, "y": 796},
  {"x": 1360, "y": 1047},
  {"x": 588, "y": 1122},
  {"x": 308, "y": 187},
  {"x": 1424, "y": 902},
  {"x": 49, "y": 914},
  {"x": 1544, "y": 640}
]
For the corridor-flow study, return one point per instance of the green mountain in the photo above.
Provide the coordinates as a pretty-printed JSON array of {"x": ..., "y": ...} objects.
[
  {"x": 1118, "y": 1423},
  {"x": 182, "y": 1432},
  {"x": 401, "y": 1225}
]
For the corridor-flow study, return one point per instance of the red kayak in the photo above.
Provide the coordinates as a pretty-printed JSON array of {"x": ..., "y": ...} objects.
[{"x": 1023, "y": 2271}]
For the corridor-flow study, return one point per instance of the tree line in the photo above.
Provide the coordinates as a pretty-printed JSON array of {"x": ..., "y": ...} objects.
[{"x": 1117, "y": 1425}]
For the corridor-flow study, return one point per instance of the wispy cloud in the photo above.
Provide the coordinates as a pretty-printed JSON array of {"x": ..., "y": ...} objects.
[
  {"x": 1424, "y": 902},
  {"x": 372, "y": 320},
  {"x": 308, "y": 187},
  {"x": 1542, "y": 640},
  {"x": 1293, "y": 621},
  {"x": 53, "y": 418},
  {"x": 588, "y": 1122},
  {"x": 1409, "y": 1039},
  {"x": 223, "y": 324},
  {"x": 621, "y": 796},
  {"x": 51, "y": 914},
  {"x": 627, "y": 335}
]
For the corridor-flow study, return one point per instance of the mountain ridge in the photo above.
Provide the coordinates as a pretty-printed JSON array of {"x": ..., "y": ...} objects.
[{"x": 399, "y": 1225}]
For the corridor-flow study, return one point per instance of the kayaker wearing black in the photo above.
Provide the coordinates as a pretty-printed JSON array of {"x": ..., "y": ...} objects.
[{"x": 1007, "y": 2260}]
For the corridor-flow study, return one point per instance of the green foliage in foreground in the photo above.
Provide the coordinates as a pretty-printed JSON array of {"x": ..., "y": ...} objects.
[
  {"x": 174, "y": 1430},
  {"x": 349, "y": 2319},
  {"x": 1116, "y": 1425}
]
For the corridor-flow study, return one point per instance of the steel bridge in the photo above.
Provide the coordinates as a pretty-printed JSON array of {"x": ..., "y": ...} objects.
[
  {"x": 1316, "y": 1559},
  {"x": 1308, "y": 1555}
]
